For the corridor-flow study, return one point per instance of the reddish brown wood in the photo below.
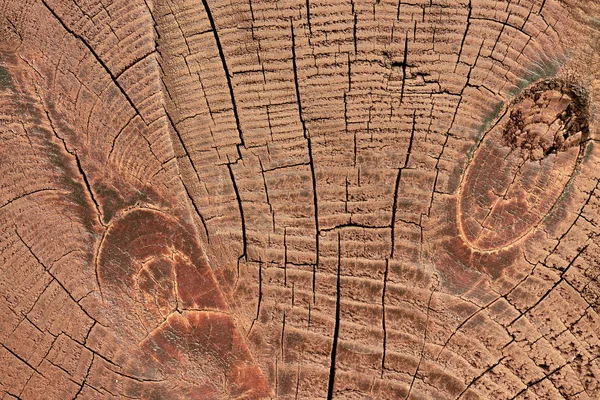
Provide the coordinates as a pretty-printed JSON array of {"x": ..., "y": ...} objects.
[{"x": 299, "y": 199}]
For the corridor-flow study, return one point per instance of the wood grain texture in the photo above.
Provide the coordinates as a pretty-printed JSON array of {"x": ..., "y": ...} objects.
[{"x": 339, "y": 199}]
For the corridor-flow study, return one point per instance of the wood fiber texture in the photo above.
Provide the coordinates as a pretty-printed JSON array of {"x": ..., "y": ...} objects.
[{"x": 299, "y": 199}]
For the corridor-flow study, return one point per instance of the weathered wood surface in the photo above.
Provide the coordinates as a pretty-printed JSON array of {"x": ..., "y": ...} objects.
[{"x": 299, "y": 199}]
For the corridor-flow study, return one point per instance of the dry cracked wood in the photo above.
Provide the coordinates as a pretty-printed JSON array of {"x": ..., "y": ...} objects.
[{"x": 299, "y": 199}]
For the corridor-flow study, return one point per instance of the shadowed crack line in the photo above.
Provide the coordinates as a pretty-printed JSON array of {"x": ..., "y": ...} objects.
[
  {"x": 227, "y": 76},
  {"x": 385, "y": 277},
  {"x": 336, "y": 329},
  {"x": 397, "y": 186},
  {"x": 85, "y": 378},
  {"x": 404, "y": 62},
  {"x": 311, "y": 160},
  {"x": 462, "y": 43},
  {"x": 243, "y": 219},
  {"x": 80, "y": 169}
]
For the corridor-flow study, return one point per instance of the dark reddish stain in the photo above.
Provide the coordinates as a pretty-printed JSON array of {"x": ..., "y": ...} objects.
[
  {"x": 152, "y": 267},
  {"x": 145, "y": 235},
  {"x": 210, "y": 341}
]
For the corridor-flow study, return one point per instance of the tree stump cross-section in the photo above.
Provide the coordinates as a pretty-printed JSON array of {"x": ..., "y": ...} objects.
[{"x": 312, "y": 199}]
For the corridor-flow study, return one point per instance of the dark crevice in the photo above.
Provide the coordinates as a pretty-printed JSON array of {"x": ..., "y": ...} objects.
[
  {"x": 135, "y": 62},
  {"x": 242, "y": 218},
  {"x": 398, "y": 10},
  {"x": 20, "y": 358},
  {"x": 311, "y": 160},
  {"x": 535, "y": 382},
  {"x": 285, "y": 259},
  {"x": 85, "y": 378},
  {"x": 462, "y": 43},
  {"x": 262, "y": 172},
  {"x": 397, "y": 187},
  {"x": 394, "y": 205},
  {"x": 404, "y": 64},
  {"x": 554, "y": 286},
  {"x": 285, "y": 166},
  {"x": 349, "y": 83},
  {"x": 283, "y": 337},
  {"x": 87, "y": 185},
  {"x": 542, "y": 7},
  {"x": 354, "y": 32},
  {"x": 336, "y": 329},
  {"x": 385, "y": 277},
  {"x": 227, "y": 76},
  {"x": 297, "y": 382},
  {"x": 308, "y": 17},
  {"x": 481, "y": 375},
  {"x": 500, "y": 34},
  {"x": 79, "y": 166},
  {"x": 354, "y": 225}
]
